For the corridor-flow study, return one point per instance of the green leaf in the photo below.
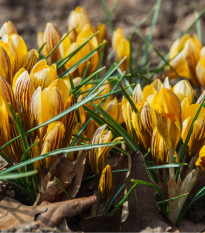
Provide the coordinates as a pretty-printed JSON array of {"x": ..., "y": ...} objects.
[
  {"x": 57, "y": 152},
  {"x": 41, "y": 48},
  {"x": 63, "y": 61},
  {"x": 13, "y": 176},
  {"x": 166, "y": 166},
  {"x": 181, "y": 157},
  {"x": 154, "y": 21},
  {"x": 118, "y": 128},
  {"x": 108, "y": 74},
  {"x": 128, "y": 98},
  {"x": 55, "y": 47}
]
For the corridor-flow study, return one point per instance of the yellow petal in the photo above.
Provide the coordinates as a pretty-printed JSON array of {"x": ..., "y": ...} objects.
[
  {"x": 200, "y": 163},
  {"x": 23, "y": 91},
  {"x": 121, "y": 47},
  {"x": 43, "y": 74},
  {"x": 52, "y": 141},
  {"x": 19, "y": 46},
  {"x": 7, "y": 29},
  {"x": 52, "y": 37},
  {"x": 148, "y": 117},
  {"x": 5, "y": 65},
  {"x": 105, "y": 183},
  {"x": 170, "y": 130},
  {"x": 77, "y": 19},
  {"x": 159, "y": 148},
  {"x": 138, "y": 94},
  {"x": 183, "y": 89},
  {"x": 30, "y": 59},
  {"x": 178, "y": 45},
  {"x": 143, "y": 136},
  {"x": 167, "y": 105}
]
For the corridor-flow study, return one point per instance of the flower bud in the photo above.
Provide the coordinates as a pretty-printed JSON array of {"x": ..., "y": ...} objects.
[{"x": 105, "y": 183}]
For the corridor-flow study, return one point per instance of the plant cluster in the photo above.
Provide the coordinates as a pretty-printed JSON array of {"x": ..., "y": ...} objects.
[{"x": 60, "y": 101}]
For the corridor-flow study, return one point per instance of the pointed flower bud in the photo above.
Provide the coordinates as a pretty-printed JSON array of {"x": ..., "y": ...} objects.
[
  {"x": 52, "y": 37},
  {"x": 52, "y": 141},
  {"x": 168, "y": 114},
  {"x": 7, "y": 29},
  {"x": 121, "y": 47},
  {"x": 105, "y": 183},
  {"x": 183, "y": 89},
  {"x": 77, "y": 19},
  {"x": 98, "y": 156},
  {"x": 159, "y": 148}
]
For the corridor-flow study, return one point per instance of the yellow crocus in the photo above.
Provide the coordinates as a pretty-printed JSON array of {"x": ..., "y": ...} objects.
[
  {"x": 7, "y": 29},
  {"x": 43, "y": 74},
  {"x": 52, "y": 37},
  {"x": 23, "y": 88},
  {"x": 52, "y": 141},
  {"x": 98, "y": 156},
  {"x": 121, "y": 47},
  {"x": 77, "y": 19},
  {"x": 183, "y": 90},
  {"x": 114, "y": 109},
  {"x": 159, "y": 148},
  {"x": 168, "y": 120},
  {"x": 200, "y": 68},
  {"x": 197, "y": 139},
  {"x": 200, "y": 162},
  {"x": 105, "y": 183},
  {"x": 14, "y": 55},
  {"x": 184, "y": 56}
]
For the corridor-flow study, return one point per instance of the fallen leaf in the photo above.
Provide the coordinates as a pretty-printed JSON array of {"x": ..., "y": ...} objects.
[
  {"x": 57, "y": 211},
  {"x": 69, "y": 174},
  {"x": 13, "y": 213},
  {"x": 142, "y": 206}
]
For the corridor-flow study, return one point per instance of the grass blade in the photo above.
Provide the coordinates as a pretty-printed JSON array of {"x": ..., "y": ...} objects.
[
  {"x": 57, "y": 152},
  {"x": 63, "y": 61}
]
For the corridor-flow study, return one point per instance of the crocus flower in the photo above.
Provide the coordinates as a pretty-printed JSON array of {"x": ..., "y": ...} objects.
[
  {"x": 105, "y": 183},
  {"x": 184, "y": 56},
  {"x": 98, "y": 156},
  {"x": 121, "y": 47}
]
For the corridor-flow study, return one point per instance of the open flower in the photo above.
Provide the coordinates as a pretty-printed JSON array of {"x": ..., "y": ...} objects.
[
  {"x": 14, "y": 55},
  {"x": 184, "y": 56},
  {"x": 200, "y": 162},
  {"x": 197, "y": 139},
  {"x": 168, "y": 113}
]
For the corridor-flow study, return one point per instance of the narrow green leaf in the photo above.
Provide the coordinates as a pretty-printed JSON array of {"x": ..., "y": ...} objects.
[
  {"x": 114, "y": 198},
  {"x": 41, "y": 48},
  {"x": 13, "y": 176},
  {"x": 108, "y": 74},
  {"x": 128, "y": 98},
  {"x": 154, "y": 21},
  {"x": 181, "y": 157},
  {"x": 108, "y": 16},
  {"x": 57, "y": 152},
  {"x": 75, "y": 66},
  {"x": 63, "y": 61},
  {"x": 166, "y": 166},
  {"x": 55, "y": 47},
  {"x": 171, "y": 199}
]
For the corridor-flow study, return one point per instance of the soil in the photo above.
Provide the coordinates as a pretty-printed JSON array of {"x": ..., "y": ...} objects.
[{"x": 174, "y": 18}]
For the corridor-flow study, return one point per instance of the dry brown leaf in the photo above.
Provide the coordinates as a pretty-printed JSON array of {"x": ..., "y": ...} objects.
[
  {"x": 69, "y": 174},
  {"x": 143, "y": 208},
  {"x": 57, "y": 211},
  {"x": 13, "y": 213},
  {"x": 78, "y": 168}
]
